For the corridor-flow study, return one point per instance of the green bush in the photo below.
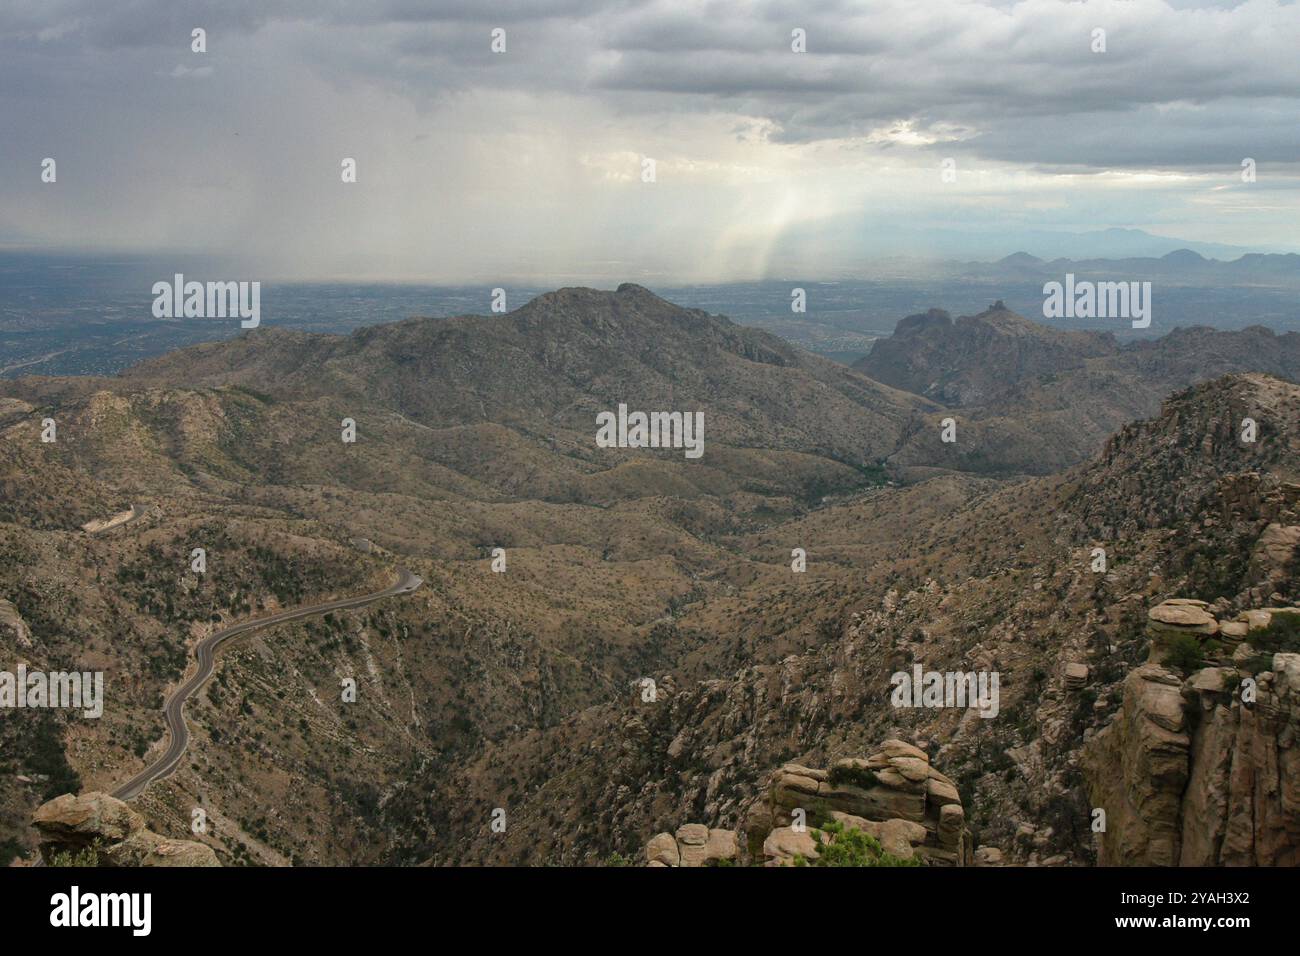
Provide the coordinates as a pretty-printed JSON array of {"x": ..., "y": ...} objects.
[
  {"x": 1281, "y": 636},
  {"x": 853, "y": 776},
  {"x": 1184, "y": 653},
  {"x": 86, "y": 857},
  {"x": 9, "y": 849},
  {"x": 851, "y": 847}
]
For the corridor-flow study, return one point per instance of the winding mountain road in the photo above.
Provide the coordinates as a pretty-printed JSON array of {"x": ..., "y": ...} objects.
[
  {"x": 206, "y": 651},
  {"x": 136, "y": 513}
]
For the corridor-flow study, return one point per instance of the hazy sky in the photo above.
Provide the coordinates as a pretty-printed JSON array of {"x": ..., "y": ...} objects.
[{"x": 480, "y": 166}]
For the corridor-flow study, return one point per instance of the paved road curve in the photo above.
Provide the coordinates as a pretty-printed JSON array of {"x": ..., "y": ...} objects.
[
  {"x": 137, "y": 512},
  {"x": 174, "y": 708}
]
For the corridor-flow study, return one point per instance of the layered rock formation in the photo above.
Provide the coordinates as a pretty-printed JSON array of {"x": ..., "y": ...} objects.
[
  {"x": 72, "y": 824},
  {"x": 693, "y": 844},
  {"x": 1202, "y": 769},
  {"x": 893, "y": 795}
]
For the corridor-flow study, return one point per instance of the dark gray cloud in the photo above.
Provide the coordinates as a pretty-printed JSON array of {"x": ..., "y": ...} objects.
[
  {"x": 1017, "y": 72},
  {"x": 452, "y": 136}
]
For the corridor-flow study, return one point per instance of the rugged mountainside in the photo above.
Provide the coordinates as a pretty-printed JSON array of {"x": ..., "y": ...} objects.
[
  {"x": 547, "y": 368},
  {"x": 526, "y": 691},
  {"x": 1012, "y": 589},
  {"x": 618, "y": 559},
  {"x": 977, "y": 359},
  {"x": 1029, "y": 399}
]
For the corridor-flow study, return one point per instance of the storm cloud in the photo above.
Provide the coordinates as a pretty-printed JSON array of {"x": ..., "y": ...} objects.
[{"x": 528, "y": 163}]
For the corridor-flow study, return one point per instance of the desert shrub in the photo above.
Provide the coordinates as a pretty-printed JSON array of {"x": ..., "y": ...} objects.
[
  {"x": 85, "y": 857},
  {"x": 41, "y": 751},
  {"x": 1184, "y": 653},
  {"x": 853, "y": 776},
  {"x": 1282, "y": 636},
  {"x": 851, "y": 847},
  {"x": 9, "y": 849}
]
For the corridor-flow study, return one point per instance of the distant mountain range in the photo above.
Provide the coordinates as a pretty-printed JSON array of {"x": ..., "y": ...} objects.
[
  {"x": 1119, "y": 243},
  {"x": 852, "y": 249},
  {"x": 1181, "y": 265}
]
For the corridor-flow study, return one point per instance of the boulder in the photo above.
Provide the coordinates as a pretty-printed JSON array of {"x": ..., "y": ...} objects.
[
  {"x": 74, "y": 823},
  {"x": 79, "y": 820},
  {"x": 785, "y": 843},
  {"x": 1233, "y": 631},
  {"x": 940, "y": 791},
  {"x": 893, "y": 794},
  {"x": 1180, "y": 614},
  {"x": 952, "y": 820},
  {"x": 988, "y": 856},
  {"x": 662, "y": 851},
  {"x": 692, "y": 834},
  {"x": 1212, "y": 680},
  {"x": 721, "y": 845},
  {"x": 693, "y": 845},
  {"x": 900, "y": 748},
  {"x": 149, "y": 849},
  {"x": 1075, "y": 675},
  {"x": 1174, "y": 620}
]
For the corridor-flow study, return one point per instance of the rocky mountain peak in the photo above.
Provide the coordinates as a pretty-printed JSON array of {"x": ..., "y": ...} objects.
[
  {"x": 976, "y": 358},
  {"x": 923, "y": 321},
  {"x": 1152, "y": 471}
]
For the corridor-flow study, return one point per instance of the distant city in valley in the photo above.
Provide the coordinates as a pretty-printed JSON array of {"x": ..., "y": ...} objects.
[{"x": 91, "y": 315}]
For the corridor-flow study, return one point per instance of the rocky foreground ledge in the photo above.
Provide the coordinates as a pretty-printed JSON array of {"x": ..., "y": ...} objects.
[
  {"x": 1200, "y": 766},
  {"x": 893, "y": 796},
  {"x": 94, "y": 829}
]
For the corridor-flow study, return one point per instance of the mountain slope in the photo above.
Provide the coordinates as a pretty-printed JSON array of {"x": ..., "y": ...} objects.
[
  {"x": 976, "y": 359},
  {"x": 1029, "y": 399},
  {"x": 473, "y": 434},
  {"x": 1008, "y": 585},
  {"x": 547, "y": 368},
  {"x": 521, "y": 686}
]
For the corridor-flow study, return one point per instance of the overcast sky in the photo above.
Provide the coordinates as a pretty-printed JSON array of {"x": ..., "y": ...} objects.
[{"x": 527, "y": 165}]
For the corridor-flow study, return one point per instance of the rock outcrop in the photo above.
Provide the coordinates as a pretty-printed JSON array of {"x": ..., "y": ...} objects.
[
  {"x": 693, "y": 844},
  {"x": 1075, "y": 675},
  {"x": 1138, "y": 769},
  {"x": 72, "y": 824},
  {"x": 1202, "y": 769},
  {"x": 893, "y": 795}
]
